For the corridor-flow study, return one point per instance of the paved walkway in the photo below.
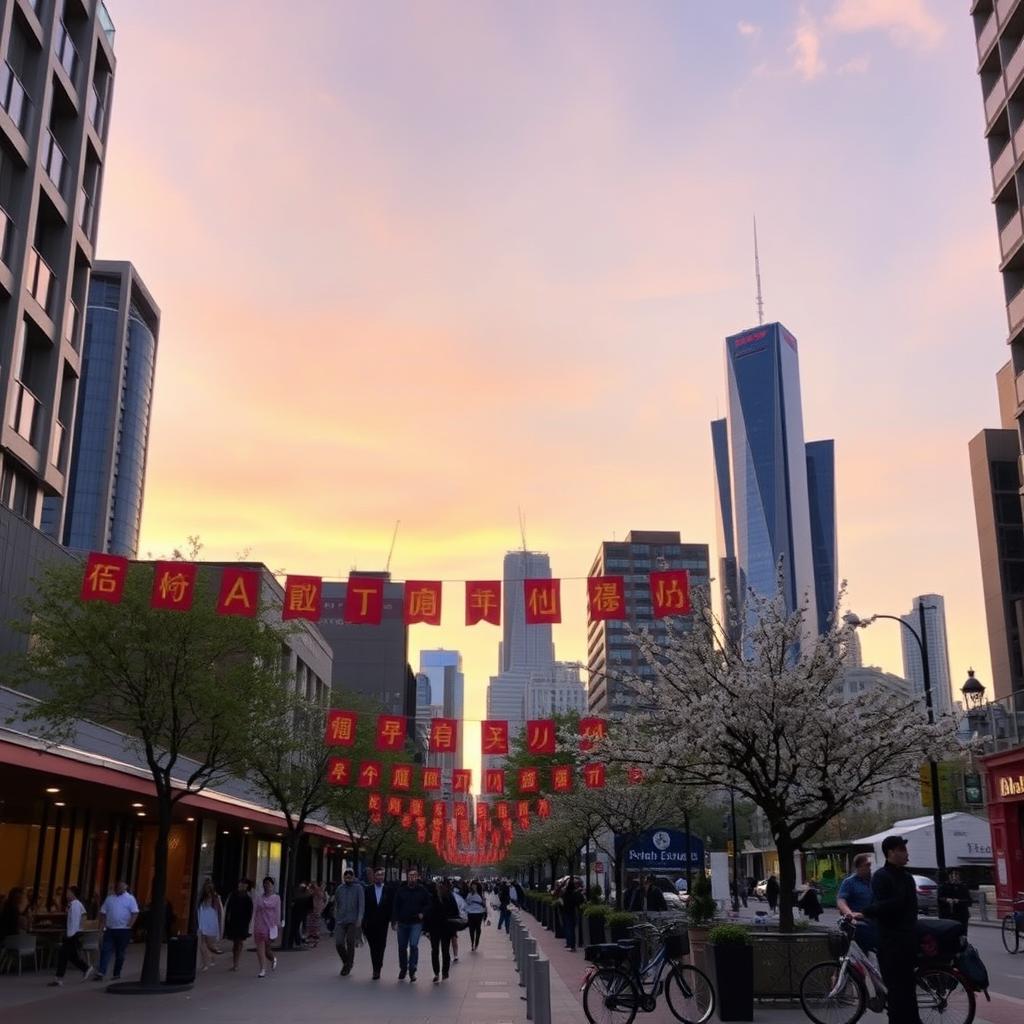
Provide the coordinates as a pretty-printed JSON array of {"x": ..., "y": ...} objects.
[{"x": 306, "y": 987}]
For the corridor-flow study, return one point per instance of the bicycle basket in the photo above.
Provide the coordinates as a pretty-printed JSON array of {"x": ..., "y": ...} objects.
[
  {"x": 838, "y": 943},
  {"x": 676, "y": 946},
  {"x": 973, "y": 968},
  {"x": 606, "y": 954}
]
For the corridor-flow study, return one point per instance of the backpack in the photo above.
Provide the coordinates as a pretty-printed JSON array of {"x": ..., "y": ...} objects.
[{"x": 973, "y": 968}]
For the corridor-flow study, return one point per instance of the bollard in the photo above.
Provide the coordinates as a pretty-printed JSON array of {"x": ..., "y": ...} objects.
[
  {"x": 531, "y": 981},
  {"x": 542, "y": 991},
  {"x": 517, "y": 948},
  {"x": 526, "y": 947}
]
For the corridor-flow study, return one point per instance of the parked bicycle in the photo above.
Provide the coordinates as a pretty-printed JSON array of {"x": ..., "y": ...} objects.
[
  {"x": 618, "y": 985},
  {"x": 1013, "y": 926},
  {"x": 839, "y": 991}
]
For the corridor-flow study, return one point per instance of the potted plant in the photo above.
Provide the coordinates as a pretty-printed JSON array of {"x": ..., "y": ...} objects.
[
  {"x": 595, "y": 916},
  {"x": 700, "y": 912},
  {"x": 732, "y": 955},
  {"x": 618, "y": 923}
]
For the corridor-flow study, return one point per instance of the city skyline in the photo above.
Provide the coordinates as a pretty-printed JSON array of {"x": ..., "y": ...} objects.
[{"x": 523, "y": 342}]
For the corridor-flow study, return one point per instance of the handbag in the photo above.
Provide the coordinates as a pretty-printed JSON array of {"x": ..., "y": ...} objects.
[{"x": 457, "y": 924}]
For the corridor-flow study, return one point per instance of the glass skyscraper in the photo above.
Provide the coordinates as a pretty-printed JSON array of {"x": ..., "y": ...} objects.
[{"x": 776, "y": 494}]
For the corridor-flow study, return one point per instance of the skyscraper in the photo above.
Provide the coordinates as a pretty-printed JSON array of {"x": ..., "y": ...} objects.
[
  {"x": 761, "y": 468},
  {"x": 938, "y": 651},
  {"x": 610, "y": 652},
  {"x": 559, "y": 691},
  {"x": 443, "y": 670},
  {"x": 55, "y": 88},
  {"x": 103, "y": 508}
]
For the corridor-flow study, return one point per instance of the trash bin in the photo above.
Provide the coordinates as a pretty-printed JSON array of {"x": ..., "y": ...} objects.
[{"x": 181, "y": 959}]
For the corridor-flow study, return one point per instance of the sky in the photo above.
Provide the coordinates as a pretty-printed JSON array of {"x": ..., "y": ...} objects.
[{"x": 439, "y": 262}]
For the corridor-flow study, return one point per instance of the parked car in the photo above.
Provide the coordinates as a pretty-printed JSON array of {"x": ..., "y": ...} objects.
[
  {"x": 761, "y": 890},
  {"x": 927, "y": 894}
]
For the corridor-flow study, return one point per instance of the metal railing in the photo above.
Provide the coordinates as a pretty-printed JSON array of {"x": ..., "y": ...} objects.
[
  {"x": 1015, "y": 310},
  {"x": 54, "y": 160},
  {"x": 25, "y": 413},
  {"x": 995, "y": 99},
  {"x": 1014, "y": 66},
  {"x": 987, "y": 36},
  {"x": 1002, "y": 166},
  {"x": 6, "y": 234},
  {"x": 103, "y": 16},
  {"x": 66, "y": 51},
  {"x": 95, "y": 108},
  {"x": 13, "y": 97},
  {"x": 71, "y": 318},
  {"x": 39, "y": 279}
]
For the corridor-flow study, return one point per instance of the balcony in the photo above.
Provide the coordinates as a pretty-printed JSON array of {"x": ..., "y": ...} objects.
[
  {"x": 95, "y": 109},
  {"x": 103, "y": 16},
  {"x": 54, "y": 161},
  {"x": 1014, "y": 66},
  {"x": 6, "y": 235},
  {"x": 13, "y": 97},
  {"x": 71, "y": 318},
  {"x": 1005, "y": 8},
  {"x": 995, "y": 99},
  {"x": 57, "y": 445},
  {"x": 25, "y": 413},
  {"x": 1002, "y": 167},
  {"x": 1015, "y": 311},
  {"x": 85, "y": 212},
  {"x": 67, "y": 54},
  {"x": 987, "y": 36},
  {"x": 39, "y": 279}
]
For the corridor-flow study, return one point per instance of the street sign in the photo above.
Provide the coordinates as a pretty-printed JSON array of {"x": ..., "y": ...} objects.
[
  {"x": 662, "y": 849},
  {"x": 949, "y": 790}
]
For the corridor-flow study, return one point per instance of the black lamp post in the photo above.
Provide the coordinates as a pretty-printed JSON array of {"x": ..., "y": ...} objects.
[
  {"x": 933, "y": 769},
  {"x": 973, "y": 691}
]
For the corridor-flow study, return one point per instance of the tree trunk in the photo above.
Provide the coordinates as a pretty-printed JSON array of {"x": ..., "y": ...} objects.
[
  {"x": 158, "y": 894},
  {"x": 787, "y": 881},
  {"x": 288, "y": 886},
  {"x": 620, "y": 860}
]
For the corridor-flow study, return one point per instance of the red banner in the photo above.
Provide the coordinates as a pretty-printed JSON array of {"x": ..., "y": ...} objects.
[
  {"x": 494, "y": 781},
  {"x": 483, "y": 602},
  {"x": 370, "y": 774},
  {"x": 390, "y": 732},
  {"x": 375, "y": 802},
  {"x": 174, "y": 586},
  {"x": 634, "y": 775},
  {"x": 341, "y": 728},
  {"x": 401, "y": 777},
  {"x": 593, "y": 776},
  {"x": 501, "y": 810},
  {"x": 540, "y": 736},
  {"x": 438, "y": 810},
  {"x": 460, "y": 811},
  {"x": 444, "y": 735},
  {"x": 494, "y": 737},
  {"x": 670, "y": 593},
  {"x": 416, "y": 806},
  {"x": 522, "y": 808},
  {"x": 239, "y": 592},
  {"x": 607, "y": 598},
  {"x": 529, "y": 781},
  {"x": 104, "y": 578},
  {"x": 462, "y": 780},
  {"x": 339, "y": 771},
  {"x": 543, "y": 808},
  {"x": 393, "y": 805},
  {"x": 302, "y": 598},
  {"x": 423, "y": 602},
  {"x": 561, "y": 778},
  {"x": 543, "y": 601},
  {"x": 430, "y": 778},
  {"x": 364, "y": 600},
  {"x": 592, "y": 729}
]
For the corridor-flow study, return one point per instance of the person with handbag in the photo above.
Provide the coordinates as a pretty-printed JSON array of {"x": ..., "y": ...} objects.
[
  {"x": 265, "y": 923},
  {"x": 460, "y": 902},
  {"x": 441, "y": 922}
]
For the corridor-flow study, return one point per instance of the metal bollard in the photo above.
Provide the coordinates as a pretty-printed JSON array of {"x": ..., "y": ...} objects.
[
  {"x": 517, "y": 948},
  {"x": 542, "y": 991},
  {"x": 526, "y": 947},
  {"x": 531, "y": 981}
]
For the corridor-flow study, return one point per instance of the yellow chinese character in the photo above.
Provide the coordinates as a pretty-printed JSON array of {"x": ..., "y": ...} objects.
[
  {"x": 341, "y": 728},
  {"x": 593, "y": 773},
  {"x": 444, "y": 736},
  {"x": 495, "y": 738},
  {"x": 540, "y": 736},
  {"x": 423, "y": 602},
  {"x": 339, "y": 771},
  {"x": 561, "y": 777},
  {"x": 370, "y": 773},
  {"x": 483, "y": 601},
  {"x": 543, "y": 601},
  {"x": 606, "y": 598},
  {"x": 302, "y": 598},
  {"x": 174, "y": 585},
  {"x": 365, "y": 593},
  {"x": 529, "y": 778},
  {"x": 670, "y": 594},
  {"x": 392, "y": 731},
  {"x": 103, "y": 578}
]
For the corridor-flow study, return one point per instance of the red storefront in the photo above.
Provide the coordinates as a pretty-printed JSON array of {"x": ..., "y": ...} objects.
[{"x": 1005, "y": 786}]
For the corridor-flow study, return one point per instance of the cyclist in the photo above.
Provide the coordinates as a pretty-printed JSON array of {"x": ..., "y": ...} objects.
[
  {"x": 894, "y": 907},
  {"x": 854, "y": 897}
]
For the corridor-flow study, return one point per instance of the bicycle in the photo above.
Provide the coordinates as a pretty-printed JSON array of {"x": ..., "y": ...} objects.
[
  {"x": 616, "y": 987},
  {"x": 839, "y": 991},
  {"x": 1013, "y": 926}
]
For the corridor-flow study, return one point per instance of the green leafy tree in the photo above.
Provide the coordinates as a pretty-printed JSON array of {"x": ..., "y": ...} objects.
[{"x": 187, "y": 687}]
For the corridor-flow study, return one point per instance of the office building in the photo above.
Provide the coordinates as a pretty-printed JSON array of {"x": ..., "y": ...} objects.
[
  {"x": 559, "y": 691},
  {"x": 55, "y": 89},
  {"x": 937, "y": 647},
  {"x": 106, "y": 483},
  {"x": 611, "y": 654},
  {"x": 371, "y": 660},
  {"x": 523, "y": 646},
  {"x": 443, "y": 671},
  {"x": 995, "y": 478},
  {"x": 728, "y": 583},
  {"x": 761, "y": 469}
]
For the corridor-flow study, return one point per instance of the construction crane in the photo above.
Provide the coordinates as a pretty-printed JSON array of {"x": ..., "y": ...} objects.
[{"x": 391, "y": 550}]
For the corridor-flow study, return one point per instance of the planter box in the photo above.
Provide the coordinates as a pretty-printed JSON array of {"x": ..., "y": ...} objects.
[
  {"x": 780, "y": 961},
  {"x": 734, "y": 981},
  {"x": 559, "y": 931},
  {"x": 593, "y": 930},
  {"x": 620, "y": 932}
]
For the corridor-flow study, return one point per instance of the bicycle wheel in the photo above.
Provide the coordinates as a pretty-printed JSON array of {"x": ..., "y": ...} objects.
[
  {"x": 610, "y": 997},
  {"x": 942, "y": 997},
  {"x": 1011, "y": 936},
  {"x": 689, "y": 994},
  {"x": 829, "y": 996}
]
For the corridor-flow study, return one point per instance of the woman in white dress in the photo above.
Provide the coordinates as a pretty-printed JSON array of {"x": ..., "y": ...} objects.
[{"x": 210, "y": 913}]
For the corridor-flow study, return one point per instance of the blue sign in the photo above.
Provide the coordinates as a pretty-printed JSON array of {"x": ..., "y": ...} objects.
[{"x": 663, "y": 850}]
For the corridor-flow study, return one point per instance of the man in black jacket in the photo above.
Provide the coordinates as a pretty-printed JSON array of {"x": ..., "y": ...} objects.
[
  {"x": 955, "y": 900},
  {"x": 378, "y": 906},
  {"x": 647, "y": 897},
  {"x": 894, "y": 907},
  {"x": 410, "y": 905}
]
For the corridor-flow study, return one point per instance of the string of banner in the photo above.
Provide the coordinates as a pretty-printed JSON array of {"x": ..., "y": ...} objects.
[{"x": 174, "y": 585}]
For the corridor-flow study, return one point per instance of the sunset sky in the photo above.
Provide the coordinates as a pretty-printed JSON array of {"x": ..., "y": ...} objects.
[{"x": 434, "y": 262}]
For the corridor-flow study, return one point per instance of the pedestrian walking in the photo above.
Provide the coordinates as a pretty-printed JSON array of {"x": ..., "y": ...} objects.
[
  {"x": 463, "y": 914},
  {"x": 70, "y": 948},
  {"x": 349, "y": 903},
  {"x": 117, "y": 918},
  {"x": 378, "y": 900},
  {"x": 810, "y": 903},
  {"x": 646, "y": 897},
  {"x": 894, "y": 907},
  {"x": 440, "y": 922},
  {"x": 266, "y": 921},
  {"x": 504, "y": 908},
  {"x": 572, "y": 900},
  {"x": 771, "y": 893},
  {"x": 411, "y": 903},
  {"x": 209, "y": 915},
  {"x": 238, "y": 913},
  {"x": 476, "y": 914},
  {"x": 318, "y": 900},
  {"x": 955, "y": 900}
]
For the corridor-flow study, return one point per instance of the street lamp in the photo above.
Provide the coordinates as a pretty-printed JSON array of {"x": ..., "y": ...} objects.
[
  {"x": 852, "y": 619},
  {"x": 973, "y": 691}
]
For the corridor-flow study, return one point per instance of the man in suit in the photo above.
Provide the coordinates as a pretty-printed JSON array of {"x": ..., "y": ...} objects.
[{"x": 376, "y": 918}]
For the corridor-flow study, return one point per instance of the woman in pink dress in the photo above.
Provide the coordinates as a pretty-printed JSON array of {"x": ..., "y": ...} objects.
[
  {"x": 313, "y": 918},
  {"x": 265, "y": 922}
]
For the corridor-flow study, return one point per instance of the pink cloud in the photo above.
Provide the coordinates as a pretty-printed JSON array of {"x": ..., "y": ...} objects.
[
  {"x": 908, "y": 22},
  {"x": 806, "y": 49}
]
